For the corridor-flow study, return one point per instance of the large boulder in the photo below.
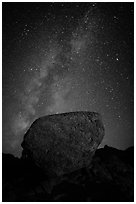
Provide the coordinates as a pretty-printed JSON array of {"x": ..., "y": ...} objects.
[{"x": 63, "y": 143}]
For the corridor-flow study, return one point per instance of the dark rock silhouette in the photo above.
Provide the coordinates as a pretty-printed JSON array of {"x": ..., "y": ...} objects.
[
  {"x": 63, "y": 143},
  {"x": 110, "y": 177}
]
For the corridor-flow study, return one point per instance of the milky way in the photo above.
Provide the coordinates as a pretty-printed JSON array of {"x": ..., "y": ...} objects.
[{"x": 62, "y": 57}]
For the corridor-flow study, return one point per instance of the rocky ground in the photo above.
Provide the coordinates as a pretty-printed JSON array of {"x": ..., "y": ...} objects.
[{"x": 110, "y": 177}]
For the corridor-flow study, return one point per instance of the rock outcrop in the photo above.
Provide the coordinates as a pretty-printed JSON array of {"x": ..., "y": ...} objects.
[
  {"x": 62, "y": 143},
  {"x": 110, "y": 178}
]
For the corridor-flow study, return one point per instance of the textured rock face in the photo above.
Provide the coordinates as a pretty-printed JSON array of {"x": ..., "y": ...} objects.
[{"x": 64, "y": 142}]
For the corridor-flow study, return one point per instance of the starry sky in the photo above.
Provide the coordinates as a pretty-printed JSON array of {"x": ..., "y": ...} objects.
[{"x": 63, "y": 57}]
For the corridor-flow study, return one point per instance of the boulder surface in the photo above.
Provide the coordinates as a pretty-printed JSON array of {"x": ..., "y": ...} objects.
[{"x": 63, "y": 143}]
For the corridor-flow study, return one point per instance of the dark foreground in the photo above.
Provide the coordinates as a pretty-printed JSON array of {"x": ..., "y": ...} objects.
[{"x": 109, "y": 178}]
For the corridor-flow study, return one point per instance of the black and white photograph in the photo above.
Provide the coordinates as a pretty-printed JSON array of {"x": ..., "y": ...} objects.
[{"x": 67, "y": 101}]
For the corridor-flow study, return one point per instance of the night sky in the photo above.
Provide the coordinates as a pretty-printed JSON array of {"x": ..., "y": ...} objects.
[{"x": 63, "y": 57}]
